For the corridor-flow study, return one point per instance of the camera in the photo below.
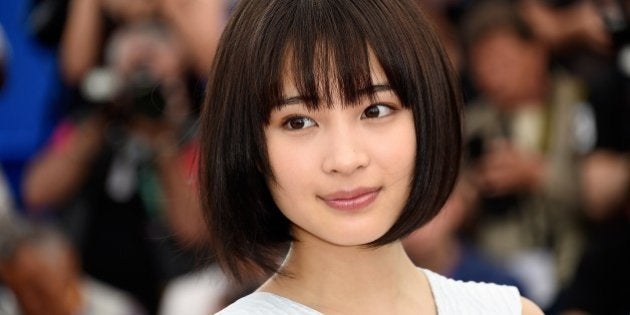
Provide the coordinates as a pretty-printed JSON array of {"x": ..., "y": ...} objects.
[
  {"x": 139, "y": 93},
  {"x": 144, "y": 95}
]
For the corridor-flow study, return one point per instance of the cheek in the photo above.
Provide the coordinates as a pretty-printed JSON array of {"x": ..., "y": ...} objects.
[
  {"x": 291, "y": 170},
  {"x": 287, "y": 164}
]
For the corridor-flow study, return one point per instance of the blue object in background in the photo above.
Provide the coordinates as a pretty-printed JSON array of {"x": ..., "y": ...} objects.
[{"x": 27, "y": 99}]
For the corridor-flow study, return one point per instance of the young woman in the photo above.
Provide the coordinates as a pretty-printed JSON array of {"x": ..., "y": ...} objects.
[{"x": 333, "y": 127}]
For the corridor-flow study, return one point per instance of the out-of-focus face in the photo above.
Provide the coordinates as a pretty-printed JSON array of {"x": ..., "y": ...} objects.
[
  {"x": 342, "y": 174},
  {"x": 44, "y": 281},
  {"x": 508, "y": 70},
  {"x": 162, "y": 57}
]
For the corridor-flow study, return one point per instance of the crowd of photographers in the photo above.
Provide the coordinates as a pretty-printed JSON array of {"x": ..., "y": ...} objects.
[{"x": 110, "y": 201}]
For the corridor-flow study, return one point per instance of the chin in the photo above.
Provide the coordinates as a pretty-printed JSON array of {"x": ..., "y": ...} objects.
[{"x": 354, "y": 237}]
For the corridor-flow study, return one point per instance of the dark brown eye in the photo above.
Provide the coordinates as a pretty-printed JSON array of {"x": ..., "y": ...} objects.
[
  {"x": 296, "y": 123},
  {"x": 376, "y": 111}
]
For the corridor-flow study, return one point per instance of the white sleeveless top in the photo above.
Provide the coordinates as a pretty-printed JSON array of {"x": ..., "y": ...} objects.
[{"x": 451, "y": 297}]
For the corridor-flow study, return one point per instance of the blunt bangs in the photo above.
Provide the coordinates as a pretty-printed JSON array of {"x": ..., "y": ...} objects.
[{"x": 325, "y": 47}]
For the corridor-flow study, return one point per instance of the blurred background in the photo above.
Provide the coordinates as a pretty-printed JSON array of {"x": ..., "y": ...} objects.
[{"x": 98, "y": 201}]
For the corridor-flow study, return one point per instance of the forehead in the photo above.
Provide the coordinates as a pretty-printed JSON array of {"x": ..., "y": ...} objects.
[
  {"x": 331, "y": 80},
  {"x": 499, "y": 38}
]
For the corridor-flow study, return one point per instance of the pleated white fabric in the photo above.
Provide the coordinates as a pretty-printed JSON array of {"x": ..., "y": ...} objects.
[
  {"x": 262, "y": 303},
  {"x": 458, "y": 297},
  {"x": 452, "y": 297}
]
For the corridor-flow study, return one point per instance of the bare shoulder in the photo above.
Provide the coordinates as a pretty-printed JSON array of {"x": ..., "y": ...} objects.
[{"x": 529, "y": 308}]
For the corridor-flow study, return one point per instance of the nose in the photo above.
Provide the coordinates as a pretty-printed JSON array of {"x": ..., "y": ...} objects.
[{"x": 346, "y": 152}]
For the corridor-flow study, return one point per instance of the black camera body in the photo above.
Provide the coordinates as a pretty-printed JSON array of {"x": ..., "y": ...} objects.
[
  {"x": 138, "y": 94},
  {"x": 144, "y": 95}
]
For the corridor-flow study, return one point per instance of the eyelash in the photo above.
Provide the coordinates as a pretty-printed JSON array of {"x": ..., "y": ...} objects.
[
  {"x": 287, "y": 122},
  {"x": 309, "y": 122},
  {"x": 391, "y": 110}
]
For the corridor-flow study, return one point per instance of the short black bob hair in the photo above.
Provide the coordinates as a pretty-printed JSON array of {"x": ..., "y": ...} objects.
[{"x": 326, "y": 44}]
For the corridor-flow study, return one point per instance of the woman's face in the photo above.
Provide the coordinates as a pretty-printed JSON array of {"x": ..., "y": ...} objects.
[
  {"x": 342, "y": 174},
  {"x": 509, "y": 70}
]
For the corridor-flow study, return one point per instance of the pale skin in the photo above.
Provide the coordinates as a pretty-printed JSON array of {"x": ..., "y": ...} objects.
[{"x": 342, "y": 181}]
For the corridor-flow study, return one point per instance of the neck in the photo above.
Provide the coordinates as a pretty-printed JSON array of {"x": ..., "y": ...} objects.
[
  {"x": 441, "y": 256},
  {"x": 345, "y": 278}
]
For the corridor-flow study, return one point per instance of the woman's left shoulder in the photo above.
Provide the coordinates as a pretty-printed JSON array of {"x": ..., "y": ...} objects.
[
  {"x": 530, "y": 308},
  {"x": 458, "y": 297}
]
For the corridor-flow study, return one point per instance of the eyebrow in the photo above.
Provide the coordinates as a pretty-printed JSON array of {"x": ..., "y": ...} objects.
[{"x": 293, "y": 100}]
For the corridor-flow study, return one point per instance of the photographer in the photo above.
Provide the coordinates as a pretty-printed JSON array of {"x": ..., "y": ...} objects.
[
  {"x": 123, "y": 173},
  {"x": 525, "y": 142}
]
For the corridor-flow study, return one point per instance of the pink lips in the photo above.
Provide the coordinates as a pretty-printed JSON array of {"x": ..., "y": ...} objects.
[{"x": 351, "y": 200}]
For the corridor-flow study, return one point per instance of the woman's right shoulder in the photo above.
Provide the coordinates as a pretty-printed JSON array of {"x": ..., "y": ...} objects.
[{"x": 264, "y": 303}]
